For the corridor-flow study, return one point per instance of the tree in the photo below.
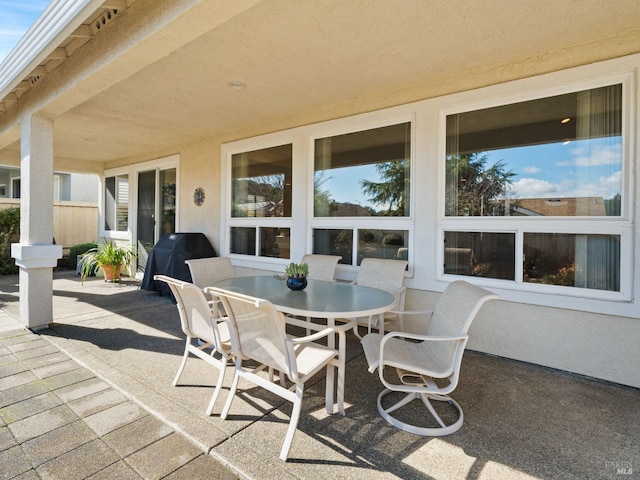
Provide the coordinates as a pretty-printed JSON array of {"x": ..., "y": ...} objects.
[
  {"x": 392, "y": 191},
  {"x": 473, "y": 189}
]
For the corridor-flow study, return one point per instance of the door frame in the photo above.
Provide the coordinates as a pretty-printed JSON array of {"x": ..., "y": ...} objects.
[{"x": 131, "y": 235}]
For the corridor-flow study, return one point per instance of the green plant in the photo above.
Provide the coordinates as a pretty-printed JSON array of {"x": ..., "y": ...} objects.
[
  {"x": 296, "y": 270},
  {"x": 9, "y": 233},
  {"x": 76, "y": 250},
  {"x": 108, "y": 254}
]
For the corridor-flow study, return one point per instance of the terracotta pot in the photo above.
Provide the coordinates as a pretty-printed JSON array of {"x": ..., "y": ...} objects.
[{"x": 111, "y": 272}]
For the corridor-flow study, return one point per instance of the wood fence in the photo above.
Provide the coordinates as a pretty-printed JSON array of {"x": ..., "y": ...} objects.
[{"x": 73, "y": 222}]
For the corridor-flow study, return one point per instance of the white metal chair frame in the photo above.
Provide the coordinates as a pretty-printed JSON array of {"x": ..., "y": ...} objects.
[
  {"x": 385, "y": 274},
  {"x": 198, "y": 321},
  {"x": 421, "y": 359},
  {"x": 298, "y": 358}
]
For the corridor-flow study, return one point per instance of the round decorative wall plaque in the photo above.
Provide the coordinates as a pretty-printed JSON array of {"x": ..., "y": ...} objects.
[{"x": 198, "y": 196}]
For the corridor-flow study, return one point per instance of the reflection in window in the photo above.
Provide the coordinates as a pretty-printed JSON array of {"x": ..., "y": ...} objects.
[
  {"x": 116, "y": 203},
  {"x": 480, "y": 254},
  {"x": 168, "y": 202},
  {"x": 372, "y": 243},
  {"x": 275, "y": 242},
  {"x": 330, "y": 241},
  {"x": 556, "y": 156},
  {"x": 574, "y": 260},
  {"x": 390, "y": 244},
  {"x": 261, "y": 182},
  {"x": 363, "y": 173},
  {"x": 243, "y": 240}
]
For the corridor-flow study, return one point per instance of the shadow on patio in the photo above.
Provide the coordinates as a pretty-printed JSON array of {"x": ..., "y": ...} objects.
[{"x": 521, "y": 420}]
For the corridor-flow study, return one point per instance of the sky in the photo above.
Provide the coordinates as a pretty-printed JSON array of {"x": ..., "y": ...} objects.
[
  {"x": 16, "y": 16},
  {"x": 580, "y": 168}
]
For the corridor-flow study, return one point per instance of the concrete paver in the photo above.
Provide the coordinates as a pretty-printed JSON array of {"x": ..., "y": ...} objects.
[{"x": 59, "y": 421}]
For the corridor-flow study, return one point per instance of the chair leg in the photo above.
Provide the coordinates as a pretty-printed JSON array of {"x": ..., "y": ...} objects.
[
  {"x": 293, "y": 423},
  {"x": 443, "y": 429},
  {"x": 216, "y": 391},
  {"x": 232, "y": 393},
  {"x": 183, "y": 363}
]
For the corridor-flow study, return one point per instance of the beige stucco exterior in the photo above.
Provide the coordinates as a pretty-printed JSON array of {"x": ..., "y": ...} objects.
[{"x": 153, "y": 84}]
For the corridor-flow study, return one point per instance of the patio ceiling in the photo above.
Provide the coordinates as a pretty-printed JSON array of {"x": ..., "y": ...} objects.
[{"x": 158, "y": 76}]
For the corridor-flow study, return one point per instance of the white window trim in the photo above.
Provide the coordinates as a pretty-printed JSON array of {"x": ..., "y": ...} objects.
[
  {"x": 584, "y": 78},
  {"x": 427, "y": 206},
  {"x": 172, "y": 161},
  {"x": 302, "y": 222}
]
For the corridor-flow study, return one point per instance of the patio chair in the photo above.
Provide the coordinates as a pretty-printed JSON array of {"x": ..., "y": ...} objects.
[
  {"x": 428, "y": 366},
  {"x": 258, "y": 334},
  {"x": 321, "y": 267},
  {"x": 199, "y": 322},
  {"x": 386, "y": 275},
  {"x": 207, "y": 271}
]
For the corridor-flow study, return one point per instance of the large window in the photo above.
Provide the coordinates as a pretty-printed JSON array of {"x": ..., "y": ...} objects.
[
  {"x": 261, "y": 185},
  {"x": 364, "y": 176},
  {"x": 116, "y": 203},
  {"x": 543, "y": 166}
]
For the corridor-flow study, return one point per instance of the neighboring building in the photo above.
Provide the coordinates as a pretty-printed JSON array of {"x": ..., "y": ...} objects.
[
  {"x": 283, "y": 128},
  {"x": 560, "y": 207},
  {"x": 67, "y": 187}
]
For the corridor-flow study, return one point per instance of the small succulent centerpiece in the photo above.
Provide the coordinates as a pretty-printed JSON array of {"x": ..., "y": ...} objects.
[
  {"x": 297, "y": 275},
  {"x": 109, "y": 257}
]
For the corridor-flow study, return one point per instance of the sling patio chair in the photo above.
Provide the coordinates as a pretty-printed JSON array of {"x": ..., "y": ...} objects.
[
  {"x": 208, "y": 271},
  {"x": 321, "y": 267},
  {"x": 258, "y": 333},
  {"x": 384, "y": 274},
  {"x": 199, "y": 323},
  {"x": 428, "y": 366}
]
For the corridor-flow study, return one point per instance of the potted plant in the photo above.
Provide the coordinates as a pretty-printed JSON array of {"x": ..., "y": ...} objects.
[
  {"x": 109, "y": 257},
  {"x": 296, "y": 275}
]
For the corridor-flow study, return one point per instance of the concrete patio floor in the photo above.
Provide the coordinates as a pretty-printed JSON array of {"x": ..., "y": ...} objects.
[{"x": 521, "y": 421}]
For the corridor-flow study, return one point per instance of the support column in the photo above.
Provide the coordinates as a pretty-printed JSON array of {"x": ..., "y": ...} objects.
[{"x": 36, "y": 255}]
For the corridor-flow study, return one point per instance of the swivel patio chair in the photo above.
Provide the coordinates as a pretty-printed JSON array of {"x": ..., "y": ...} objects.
[
  {"x": 321, "y": 267},
  {"x": 258, "y": 334},
  {"x": 199, "y": 322},
  {"x": 428, "y": 366},
  {"x": 386, "y": 275}
]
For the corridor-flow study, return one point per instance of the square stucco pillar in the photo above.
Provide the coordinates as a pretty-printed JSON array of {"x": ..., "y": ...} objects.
[{"x": 36, "y": 255}]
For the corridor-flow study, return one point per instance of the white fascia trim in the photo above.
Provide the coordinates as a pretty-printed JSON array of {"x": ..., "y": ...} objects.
[{"x": 55, "y": 24}]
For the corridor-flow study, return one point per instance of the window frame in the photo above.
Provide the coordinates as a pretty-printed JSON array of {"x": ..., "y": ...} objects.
[
  {"x": 405, "y": 223},
  {"x": 228, "y": 221},
  {"x": 622, "y": 225},
  {"x": 163, "y": 163},
  {"x": 302, "y": 222}
]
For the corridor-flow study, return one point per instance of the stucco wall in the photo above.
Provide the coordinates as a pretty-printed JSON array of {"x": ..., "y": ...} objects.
[
  {"x": 595, "y": 345},
  {"x": 599, "y": 346}
]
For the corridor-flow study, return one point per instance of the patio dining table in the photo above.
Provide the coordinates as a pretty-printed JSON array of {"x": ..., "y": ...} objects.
[{"x": 319, "y": 300}]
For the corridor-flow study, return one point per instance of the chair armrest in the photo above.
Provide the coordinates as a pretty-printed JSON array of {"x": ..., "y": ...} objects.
[
  {"x": 412, "y": 336},
  {"x": 412, "y": 312},
  {"x": 428, "y": 338},
  {"x": 313, "y": 337}
]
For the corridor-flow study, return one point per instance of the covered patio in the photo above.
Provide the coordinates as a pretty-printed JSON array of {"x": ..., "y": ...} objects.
[{"x": 522, "y": 421}]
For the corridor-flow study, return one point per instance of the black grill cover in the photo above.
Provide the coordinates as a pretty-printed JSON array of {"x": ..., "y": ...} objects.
[{"x": 168, "y": 255}]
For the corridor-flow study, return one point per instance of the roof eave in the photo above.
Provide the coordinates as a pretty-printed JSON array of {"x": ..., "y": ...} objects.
[{"x": 57, "y": 22}]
